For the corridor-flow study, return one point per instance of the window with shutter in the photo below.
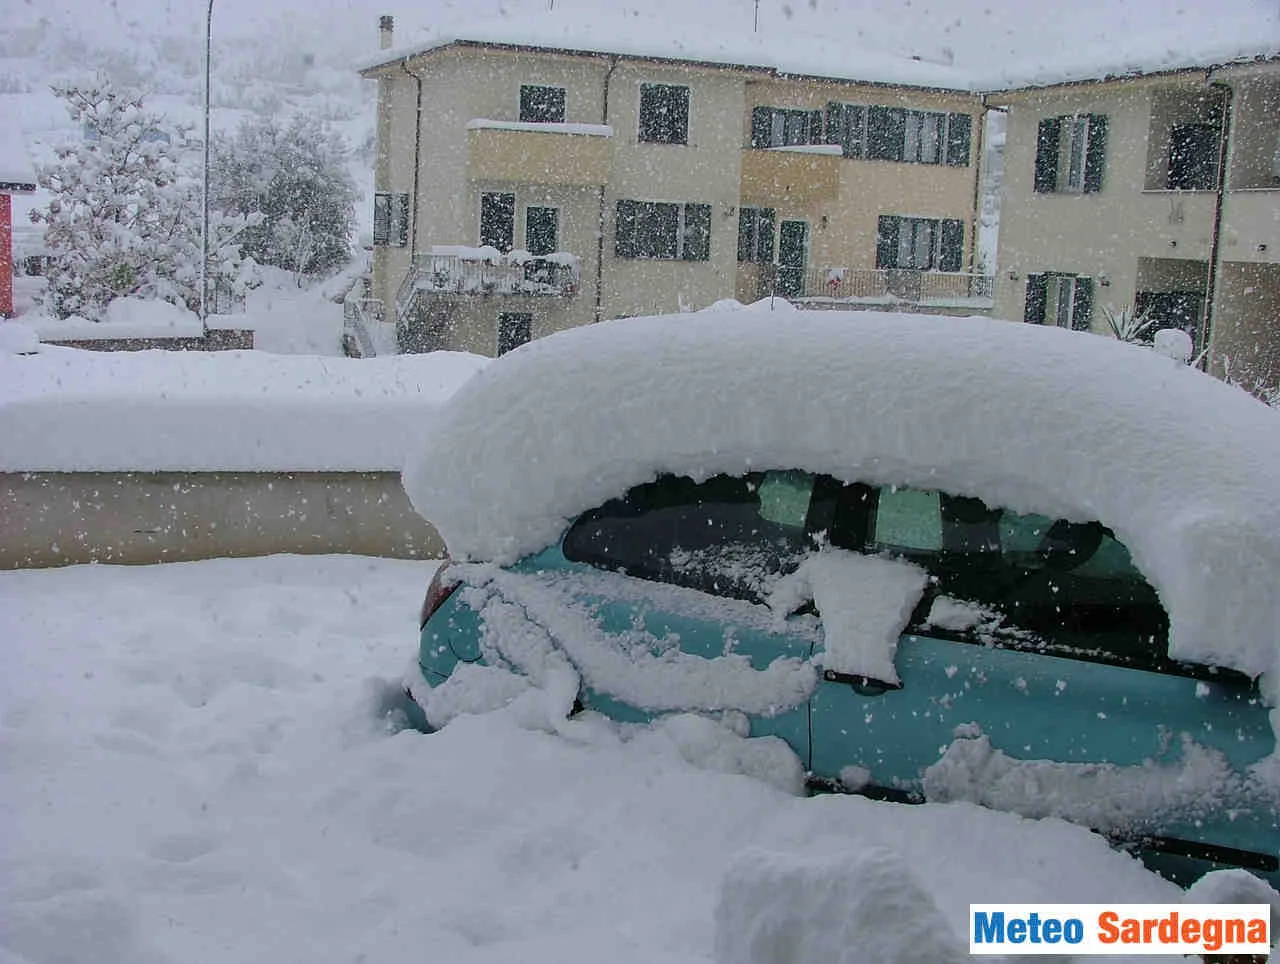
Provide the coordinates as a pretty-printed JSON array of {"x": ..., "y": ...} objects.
[
  {"x": 1033, "y": 311},
  {"x": 1082, "y": 304},
  {"x": 1095, "y": 153},
  {"x": 755, "y": 234},
  {"x": 951, "y": 256},
  {"x": 663, "y": 231},
  {"x": 624, "y": 237},
  {"x": 696, "y": 235},
  {"x": 381, "y": 219},
  {"x": 498, "y": 220},
  {"x": 664, "y": 114},
  {"x": 398, "y": 228},
  {"x": 785, "y": 127},
  {"x": 887, "y": 242},
  {"x": 886, "y": 131},
  {"x": 959, "y": 135},
  {"x": 1047, "y": 143},
  {"x": 542, "y": 105}
]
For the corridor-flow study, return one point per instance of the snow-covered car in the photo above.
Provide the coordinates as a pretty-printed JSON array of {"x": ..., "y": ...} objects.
[{"x": 942, "y": 559}]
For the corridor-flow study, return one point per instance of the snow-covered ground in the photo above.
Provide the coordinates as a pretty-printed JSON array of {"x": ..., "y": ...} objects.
[{"x": 197, "y": 764}]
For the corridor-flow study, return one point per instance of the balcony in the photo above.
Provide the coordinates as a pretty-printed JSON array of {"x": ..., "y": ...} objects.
[
  {"x": 879, "y": 287},
  {"x": 1251, "y": 226},
  {"x": 800, "y": 175},
  {"x": 573, "y": 154}
]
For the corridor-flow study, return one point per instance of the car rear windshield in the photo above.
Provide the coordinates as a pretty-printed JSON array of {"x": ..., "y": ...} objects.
[{"x": 997, "y": 577}]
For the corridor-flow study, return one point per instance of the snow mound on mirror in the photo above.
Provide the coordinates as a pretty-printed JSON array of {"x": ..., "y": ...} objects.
[{"x": 1185, "y": 469}]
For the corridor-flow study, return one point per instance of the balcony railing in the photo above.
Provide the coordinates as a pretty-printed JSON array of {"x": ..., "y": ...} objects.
[
  {"x": 878, "y": 285},
  {"x": 517, "y": 273}
]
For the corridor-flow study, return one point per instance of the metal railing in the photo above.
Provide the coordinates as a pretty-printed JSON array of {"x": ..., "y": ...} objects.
[
  {"x": 450, "y": 274},
  {"x": 876, "y": 284},
  {"x": 359, "y": 316}
]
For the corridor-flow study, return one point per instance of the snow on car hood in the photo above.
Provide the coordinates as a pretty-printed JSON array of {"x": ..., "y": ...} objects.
[{"x": 1185, "y": 469}]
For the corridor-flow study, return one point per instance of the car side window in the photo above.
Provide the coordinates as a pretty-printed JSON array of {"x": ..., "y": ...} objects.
[
  {"x": 729, "y": 536},
  {"x": 1046, "y": 584}
]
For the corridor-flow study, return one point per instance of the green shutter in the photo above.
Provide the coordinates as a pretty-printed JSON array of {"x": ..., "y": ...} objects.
[
  {"x": 381, "y": 218},
  {"x": 887, "y": 241},
  {"x": 1082, "y": 305},
  {"x": 697, "y": 232},
  {"x": 1037, "y": 298},
  {"x": 835, "y": 123},
  {"x": 886, "y": 128},
  {"x": 1047, "y": 140},
  {"x": 952, "y": 246},
  {"x": 746, "y": 234},
  {"x": 815, "y": 127},
  {"x": 764, "y": 240},
  {"x": 1095, "y": 157},
  {"x": 761, "y": 127},
  {"x": 959, "y": 134},
  {"x": 624, "y": 234}
]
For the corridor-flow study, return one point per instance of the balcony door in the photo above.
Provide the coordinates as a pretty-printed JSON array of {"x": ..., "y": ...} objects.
[{"x": 793, "y": 250}]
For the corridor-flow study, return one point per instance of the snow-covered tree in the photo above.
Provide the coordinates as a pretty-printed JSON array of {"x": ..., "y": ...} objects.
[
  {"x": 125, "y": 214},
  {"x": 296, "y": 177}
]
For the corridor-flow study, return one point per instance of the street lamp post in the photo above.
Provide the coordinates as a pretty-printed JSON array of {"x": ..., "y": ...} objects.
[{"x": 204, "y": 187}]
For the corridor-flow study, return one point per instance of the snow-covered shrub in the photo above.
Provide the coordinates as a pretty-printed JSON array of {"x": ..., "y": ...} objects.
[
  {"x": 124, "y": 218},
  {"x": 294, "y": 176}
]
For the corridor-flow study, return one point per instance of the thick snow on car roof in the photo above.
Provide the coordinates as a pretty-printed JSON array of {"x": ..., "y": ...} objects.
[{"x": 1185, "y": 469}]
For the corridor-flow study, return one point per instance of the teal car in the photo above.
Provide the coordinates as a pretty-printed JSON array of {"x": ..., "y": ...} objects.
[{"x": 1031, "y": 671}]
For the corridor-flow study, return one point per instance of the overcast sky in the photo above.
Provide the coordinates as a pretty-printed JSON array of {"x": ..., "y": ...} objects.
[{"x": 976, "y": 30}]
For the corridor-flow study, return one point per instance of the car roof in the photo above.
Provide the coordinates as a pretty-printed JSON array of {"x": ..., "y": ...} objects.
[{"x": 1185, "y": 469}]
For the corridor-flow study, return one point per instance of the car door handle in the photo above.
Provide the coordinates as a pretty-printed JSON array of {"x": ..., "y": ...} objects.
[{"x": 862, "y": 685}]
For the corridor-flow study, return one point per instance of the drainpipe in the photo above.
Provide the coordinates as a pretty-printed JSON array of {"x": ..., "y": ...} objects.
[
  {"x": 1215, "y": 239},
  {"x": 417, "y": 156},
  {"x": 604, "y": 119},
  {"x": 978, "y": 170}
]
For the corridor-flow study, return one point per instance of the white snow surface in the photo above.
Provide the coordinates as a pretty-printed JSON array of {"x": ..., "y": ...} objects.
[
  {"x": 125, "y": 318},
  {"x": 70, "y": 410},
  {"x": 777, "y": 908},
  {"x": 1185, "y": 469},
  {"x": 865, "y": 602},
  {"x": 198, "y": 765}
]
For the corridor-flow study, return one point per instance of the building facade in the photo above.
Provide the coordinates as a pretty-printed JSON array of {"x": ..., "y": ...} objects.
[
  {"x": 521, "y": 190},
  {"x": 1154, "y": 196}
]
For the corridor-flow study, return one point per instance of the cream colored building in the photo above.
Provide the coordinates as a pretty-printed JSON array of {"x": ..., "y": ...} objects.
[
  {"x": 1157, "y": 193},
  {"x": 524, "y": 189}
]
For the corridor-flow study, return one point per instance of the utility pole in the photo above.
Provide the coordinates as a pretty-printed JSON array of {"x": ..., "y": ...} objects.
[
  {"x": 755, "y": 28},
  {"x": 204, "y": 191}
]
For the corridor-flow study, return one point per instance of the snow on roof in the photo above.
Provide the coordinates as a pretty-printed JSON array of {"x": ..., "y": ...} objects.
[
  {"x": 1185, "y": 469},
  {"x": 661, "y": 38},
  {"x": 999, "y": 50},
  {"x": 69, "y": 410}
]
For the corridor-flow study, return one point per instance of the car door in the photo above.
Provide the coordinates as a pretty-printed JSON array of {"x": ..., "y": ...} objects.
[{"x": 1035, "y": 678}]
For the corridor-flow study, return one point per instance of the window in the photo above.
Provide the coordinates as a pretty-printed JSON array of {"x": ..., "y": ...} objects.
[
  {"x": 1049, "y": 585},
  {"x": 897, "y": 134},
  {"x": 1193, "y": 157},
  {"x": 755, "y": 234},
  {"x": 665, "y": 231},
  {"x": 1171, "y": 309},
  {"x": 498, "y": 220},
  {"x": 541, "y": 105},
  {"x": 391, "y": 219},
  {"x": 1064, "y": 300},
  {"x": 541, "y": 230},
  {"x": 514, "y": 330},
  {"x": 664, "y": 114},
  {"x": 1065, "y": 588},
  {"x": 785, "y": 127},
  {"x": 922, "y": 244},
  {"x": 727, "y": 536},
  {"x": 1070, "y": 154}
]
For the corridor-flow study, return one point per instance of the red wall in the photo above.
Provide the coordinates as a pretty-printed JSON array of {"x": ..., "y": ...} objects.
[{"x": 6, "y": 257}]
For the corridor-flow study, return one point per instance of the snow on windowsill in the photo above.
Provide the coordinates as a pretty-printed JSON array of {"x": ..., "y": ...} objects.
[{"x": 591, "y": 130}]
